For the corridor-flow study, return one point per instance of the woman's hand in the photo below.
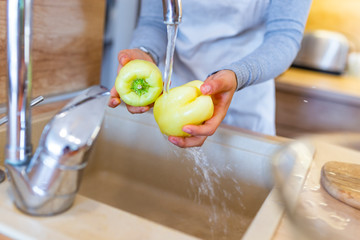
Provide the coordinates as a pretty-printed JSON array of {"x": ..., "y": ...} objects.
[
  {"x": 124, "y": 57},
  {"x": 221, "y": 86}
]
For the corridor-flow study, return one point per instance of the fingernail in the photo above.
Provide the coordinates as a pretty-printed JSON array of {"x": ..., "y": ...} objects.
[
  {"x": 123, "y": 60},
  {"x": 143, "y": 109},
  {"x": 173, "y": 140},
  {"x": 205, "y": 89},
  {"x": 115, "y": 102},
  {"x": 187, "y": 130}
]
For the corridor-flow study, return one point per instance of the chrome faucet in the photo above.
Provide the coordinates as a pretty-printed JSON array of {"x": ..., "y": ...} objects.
[
  {"x": 46, "y": 182},
  {"x": 172, "y": 10}
]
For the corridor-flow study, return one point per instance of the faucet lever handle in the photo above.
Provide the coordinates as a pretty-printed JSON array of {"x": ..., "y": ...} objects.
[{"x": 34, "y": 102}]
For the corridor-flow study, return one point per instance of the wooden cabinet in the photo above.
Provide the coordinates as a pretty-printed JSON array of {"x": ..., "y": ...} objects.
[
  {"x": 67, "y": 45},
  {"x": 310, "y": 102}
]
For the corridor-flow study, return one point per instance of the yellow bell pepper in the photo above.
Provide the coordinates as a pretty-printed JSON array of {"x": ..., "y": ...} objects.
[
  {"x": 182, "y": 106},
  {"x": 139, "y": 83}
]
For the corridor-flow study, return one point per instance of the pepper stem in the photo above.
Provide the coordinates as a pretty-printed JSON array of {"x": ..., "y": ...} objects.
[{"x": 140, "y": 86}]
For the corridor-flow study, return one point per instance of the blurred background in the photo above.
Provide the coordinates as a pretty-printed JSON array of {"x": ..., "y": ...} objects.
[
  {"x": 320, "y": 93},
  {"x": 76, "y": 42}
]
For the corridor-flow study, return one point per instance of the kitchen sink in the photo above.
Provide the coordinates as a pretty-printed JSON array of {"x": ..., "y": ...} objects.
[
  {"x": 212, "y": 192},
  {"x": 223, "y": 190}
]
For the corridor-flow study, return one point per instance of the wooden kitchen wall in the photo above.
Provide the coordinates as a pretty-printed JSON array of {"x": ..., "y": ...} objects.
[
  {"x": 67, "y": 45},
  {"x": 335, "y": 15}
]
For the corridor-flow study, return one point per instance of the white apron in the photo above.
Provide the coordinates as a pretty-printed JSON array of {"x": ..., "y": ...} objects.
[{"x": 215, "y": 33}]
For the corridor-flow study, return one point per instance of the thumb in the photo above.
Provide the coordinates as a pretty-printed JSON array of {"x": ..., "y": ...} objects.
[
  {"x": 212, "y": 85},
  {"x": 123, "y": 59},
  {"x": 222, "y": 81}
]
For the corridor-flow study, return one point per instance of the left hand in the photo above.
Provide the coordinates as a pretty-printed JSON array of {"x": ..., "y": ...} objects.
[
  {"x": 221, "y": 86},
  {"x": 124, "y": 57}
]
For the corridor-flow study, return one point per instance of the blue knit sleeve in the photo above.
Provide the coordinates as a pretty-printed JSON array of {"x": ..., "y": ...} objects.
[
  {"x": 151, "y": 30},
  {"x": 285, "y": 23}
]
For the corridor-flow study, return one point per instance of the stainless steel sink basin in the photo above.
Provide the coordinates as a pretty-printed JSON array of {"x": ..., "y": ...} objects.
[
  {"x": 212, "y": 193},
  {"x": 222, "y": 190}
]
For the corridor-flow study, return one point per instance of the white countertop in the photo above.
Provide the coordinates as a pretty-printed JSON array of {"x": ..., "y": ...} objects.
[
  {"x": 320, "y": 207},
  {"x": 86, "y": 219}
]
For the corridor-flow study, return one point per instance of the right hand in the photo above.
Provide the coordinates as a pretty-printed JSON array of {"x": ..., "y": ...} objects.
[
  {"x": 221, "y": 86},
  {"x": 124, "y": 57}
]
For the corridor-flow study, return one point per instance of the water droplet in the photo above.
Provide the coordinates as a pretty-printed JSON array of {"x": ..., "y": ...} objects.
[{"x": 323, "y": 204}]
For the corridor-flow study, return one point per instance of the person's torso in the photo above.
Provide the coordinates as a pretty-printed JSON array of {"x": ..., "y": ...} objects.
[{"x": 215, "y": 33}]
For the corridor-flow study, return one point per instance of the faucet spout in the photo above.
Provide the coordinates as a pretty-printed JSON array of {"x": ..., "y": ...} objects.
[{"x": 172, "y": 10}]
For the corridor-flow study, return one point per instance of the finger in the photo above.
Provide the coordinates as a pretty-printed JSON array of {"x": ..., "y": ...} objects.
[
  {"x": 123, "y": 58},
  {"x": 219, "y": 82},
  {"x": 208, "y": 128},
  {"x": 213, "y": 85},
  {"x": 114, "y": 100},
  {"x": 114, "y": 93},
  {"x": 136, "y": 110},
  {"x": 185, "y": 142},
  {"x": 118, "y": 68}
]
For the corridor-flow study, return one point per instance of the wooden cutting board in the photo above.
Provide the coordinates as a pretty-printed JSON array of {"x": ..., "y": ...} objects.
[{"x": 342, "y": 181}]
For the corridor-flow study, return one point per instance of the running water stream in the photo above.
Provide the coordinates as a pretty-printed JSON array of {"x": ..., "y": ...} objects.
[
  {"x": 172, "y": 30},
  {"x": 206, "y": 184}
]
